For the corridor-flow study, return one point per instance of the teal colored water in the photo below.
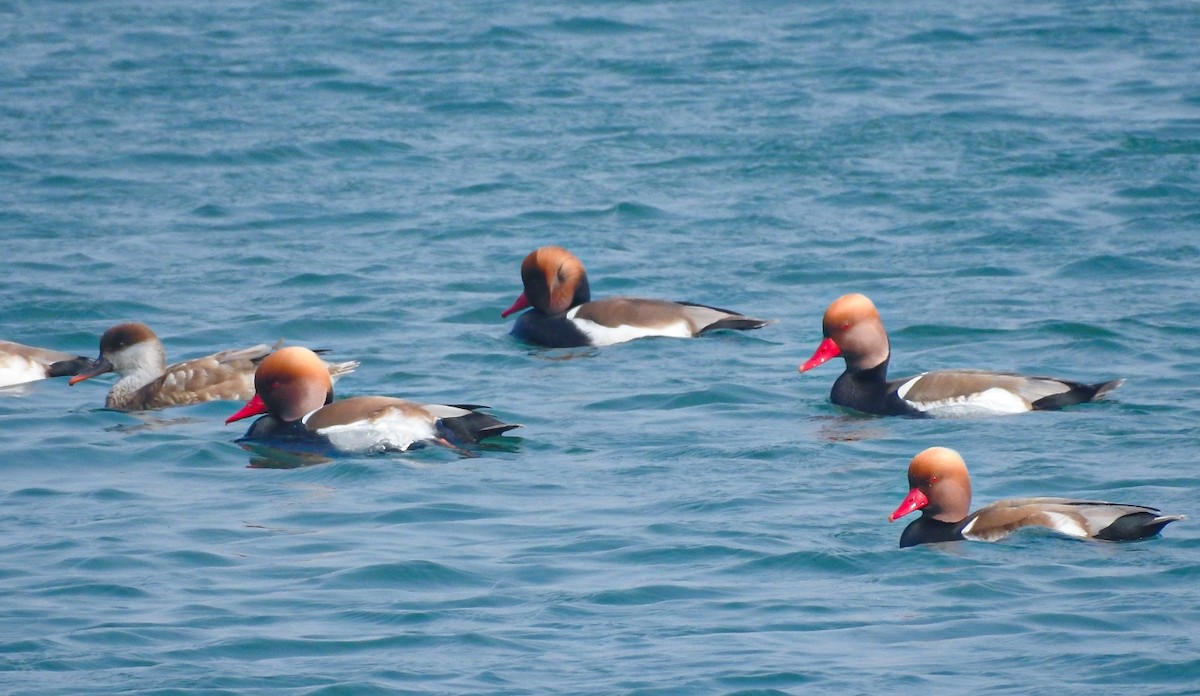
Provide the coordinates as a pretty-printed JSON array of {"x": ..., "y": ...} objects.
[{"x": 1015, "y": 186}]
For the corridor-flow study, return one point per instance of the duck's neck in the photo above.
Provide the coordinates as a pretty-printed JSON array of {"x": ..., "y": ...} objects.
[
  {"x": 872, "y": 375},
  {"x": 138, "y": 366}
]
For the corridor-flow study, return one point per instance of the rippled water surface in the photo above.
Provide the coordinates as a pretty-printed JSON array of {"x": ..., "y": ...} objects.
[{"x": 1015, "y": 186}]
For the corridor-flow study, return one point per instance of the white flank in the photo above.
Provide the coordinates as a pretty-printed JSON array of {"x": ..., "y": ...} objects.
[
  {"x": 989, "y": 402},
  {"x": 989, "y": 535},
  {"x": 1064, "y": 524},
  {"x": 390, "y": 430},
  {"x": 608, "y": 335},
  {"x": 1056, "y": 521},
  {"x": 17, "y": 369}
]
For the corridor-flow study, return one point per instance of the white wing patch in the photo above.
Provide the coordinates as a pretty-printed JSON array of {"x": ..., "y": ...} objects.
[
  {"x": 443, "y": 411},
  {"x": 902, "y": 391},
  {"x": 989, "y": 402},
  {"x": 388, "y": 430},
  {"x": 608, "y": 335}
]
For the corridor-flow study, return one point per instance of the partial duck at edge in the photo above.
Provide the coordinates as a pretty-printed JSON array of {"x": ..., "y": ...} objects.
[{"x": 21, "y": 364}]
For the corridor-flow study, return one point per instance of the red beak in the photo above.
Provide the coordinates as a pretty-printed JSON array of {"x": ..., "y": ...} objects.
[
  {"x": 827, "y": 350},
  {"x": 913, "y": 502},
  {"x": 253, "y": 407},
  {"x": 521, "y": 303}
]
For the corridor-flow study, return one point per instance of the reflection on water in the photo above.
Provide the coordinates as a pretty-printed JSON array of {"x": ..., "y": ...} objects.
[
  {"x": 848, "y": 428},
  {"x": 294, "y": 454},
  {"x": 151, "y": 423},
  {"x": 265, "y": 457}
]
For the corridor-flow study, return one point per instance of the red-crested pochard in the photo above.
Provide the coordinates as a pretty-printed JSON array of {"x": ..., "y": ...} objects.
[
  {"x": 146, "y": 382},
  {"x": 854, "y": 331},
  {"x": 295, "y": 392},
  {"x": 20, "y": 364},
  {"x": 941, "y": 490},
  {"x": 563, "y": 315}
]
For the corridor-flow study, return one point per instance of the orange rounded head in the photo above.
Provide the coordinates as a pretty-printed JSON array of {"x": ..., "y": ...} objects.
[
  {"x": 939, "y": 486},
  {"x": 289, "y": 384},
  {"x": 554, "y": 281},
  {"x": 853, "y": 330}
]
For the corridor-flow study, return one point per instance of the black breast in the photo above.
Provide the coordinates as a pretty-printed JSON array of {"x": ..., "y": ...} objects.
[
  {"x": 550, "y": 330},
  {"x": 870, "y": 392},
  {"x": 926, "y": 530},
  {"x": 292, "y": 435}
]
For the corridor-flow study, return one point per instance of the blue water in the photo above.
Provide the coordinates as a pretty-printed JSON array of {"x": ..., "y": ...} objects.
[{"x": 1016, "y": 186}]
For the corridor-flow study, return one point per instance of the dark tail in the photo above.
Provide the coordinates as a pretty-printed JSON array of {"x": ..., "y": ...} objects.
[
  {"x": 1078, "y": 393},
  {"x": 472, "y": 427},
  {"x": 736, "y": 321},
  {"x": 1137, "y": 525}
]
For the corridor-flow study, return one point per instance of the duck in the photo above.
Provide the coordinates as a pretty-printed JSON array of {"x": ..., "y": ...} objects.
[
  {"x": 294, "y": 390},
  {"x": 147, "y": 383},
  {"x": 562, "y": 313},
  {"x": 941, "y": 490},
  {"x": 21, "y": 364},
  {"x": 854, "y": 331}
]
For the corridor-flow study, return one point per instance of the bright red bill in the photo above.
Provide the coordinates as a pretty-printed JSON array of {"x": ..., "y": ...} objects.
[
  {"x": 253, "y": 407},
  {"x": 521, "y": 303},
  {"x": 913, "y": 502},
  {"x": 827, "y": 350}
]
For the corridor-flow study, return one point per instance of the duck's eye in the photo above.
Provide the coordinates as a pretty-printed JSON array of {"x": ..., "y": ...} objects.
[
  {"x": 933, "y": 479},
  {"x": 846, "y": 326}
]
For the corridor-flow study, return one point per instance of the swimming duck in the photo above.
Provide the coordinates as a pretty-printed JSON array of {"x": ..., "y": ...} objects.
[
  {"x": 147, "y": 383},
  {"x": 941, "y": 490},
  {"x": 563, "y": 315},
  {"x": 854, "y": 331},
  {"x": 295, "y": 392}
]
